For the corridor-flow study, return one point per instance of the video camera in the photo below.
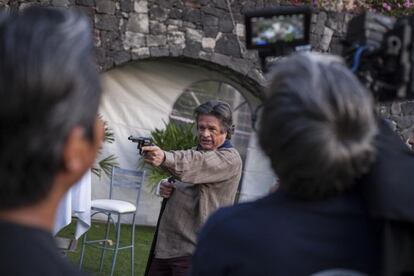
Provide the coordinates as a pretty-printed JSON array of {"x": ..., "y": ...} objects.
[
  {"x": 379, "y": 49},
  {"x": 141, "y": 142}
]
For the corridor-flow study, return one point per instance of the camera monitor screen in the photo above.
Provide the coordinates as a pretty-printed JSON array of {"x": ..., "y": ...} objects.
[{"x": 272, "y": 28}]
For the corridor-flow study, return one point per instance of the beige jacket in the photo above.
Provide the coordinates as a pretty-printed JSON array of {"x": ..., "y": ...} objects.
[{"x": 207, "y": 180}]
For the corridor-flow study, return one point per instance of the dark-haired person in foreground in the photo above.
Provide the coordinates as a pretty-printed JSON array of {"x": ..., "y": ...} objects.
[
  {"x": 207, "y": 179},
  {"x": 50, "y": 133},
  {"x": 318, "y": 128}
]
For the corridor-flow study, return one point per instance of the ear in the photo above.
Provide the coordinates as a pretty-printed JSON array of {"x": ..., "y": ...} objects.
[{"x": 75, "y": 151}]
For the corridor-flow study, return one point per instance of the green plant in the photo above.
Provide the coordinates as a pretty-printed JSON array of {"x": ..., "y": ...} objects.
[
  {"x": 108, "y": 162},
  {"x": 174, "y": 136}
]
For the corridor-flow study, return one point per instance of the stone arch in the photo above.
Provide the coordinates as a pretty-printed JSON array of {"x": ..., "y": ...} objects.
[{"x": 231, "y": 71}]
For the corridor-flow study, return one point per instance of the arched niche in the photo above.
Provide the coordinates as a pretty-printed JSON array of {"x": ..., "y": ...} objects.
[{"x": 140, "y": 96}]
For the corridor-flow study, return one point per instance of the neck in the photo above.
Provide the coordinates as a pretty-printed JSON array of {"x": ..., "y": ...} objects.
[{"x": 39, "y": 215}]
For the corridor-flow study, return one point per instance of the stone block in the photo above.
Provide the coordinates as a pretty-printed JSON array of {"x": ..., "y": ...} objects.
[
  {"x": 192, "y": 15},
  {"x": 156, "y": 40},
  {"x": 240, "y": 30},
  {"x": 165, "y": 4},
  {"x": 60, "y": 3},
  {"x": 226, "y": 25},
  {"x": 176, "y": 51},
  {"x": 257, "y": 75},
  {"x": 158, "y": 13},
  {"x": 192, "y": 48},
  {"x": 97, "y": 38},
  {"x": 211, "y": 31},
  {"x": 108, "y": 38},
  {"x": 227, "y": 44},
  {"x": 100, "y": 54},
  {"x": 106, "y": 64},
  {"x": 26, "y": 5},
  {"x": 205, "y": 55},
  {"x": 176, "y": 38},
  {"x": 89, "y": 3},
  {"x": 210, "y": 20},
  {"x": 172, "y": 28},
  {"x": 175, "y": 22},
  {"x": 222, "y": 4},
  {"x": 187, "y": 24},
  {"x": 141, "y": 6},
  {"x": 140, "y": 53},
  {"x": 120, "y": 57},
  {"x": 159, "y": 51},
  {"x": 211, "y": 10},
  {"x": 138, "y": 23},
  {"x": 88, "y": 11},
  {"x": 176, "y": 14},
  {"x": 126, "y": 5},
  {"x": 134, "y": 40},
  {"x": 106, "y": 22},
  {"x": 193, "y": 34},
  {"x": 240, "y": 65},
  {"x": 157, "y": 28},
  {"x": 221, "y": 59},
  {"x": 105, "y": 6},
  {"x": 208, "y": 43},
  {"x": 326, "y": 39}
]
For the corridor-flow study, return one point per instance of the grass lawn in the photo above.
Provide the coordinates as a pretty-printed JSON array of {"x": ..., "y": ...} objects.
[{"x": 143, "y": 239}]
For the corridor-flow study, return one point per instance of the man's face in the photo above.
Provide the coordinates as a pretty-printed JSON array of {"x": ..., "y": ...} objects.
[{"x": 209, "y": 132}]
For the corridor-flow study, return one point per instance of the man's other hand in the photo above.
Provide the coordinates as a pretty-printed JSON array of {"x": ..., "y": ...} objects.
[
  {"x": 153, "y": 155},
  {"x": 166, "y": 189}
]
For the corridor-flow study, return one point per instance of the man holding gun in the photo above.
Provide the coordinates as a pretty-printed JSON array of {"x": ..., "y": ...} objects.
[{"x": 207, "y": 178}]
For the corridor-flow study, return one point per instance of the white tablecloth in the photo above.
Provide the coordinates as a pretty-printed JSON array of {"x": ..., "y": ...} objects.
[{"x": 76, "y": 202}]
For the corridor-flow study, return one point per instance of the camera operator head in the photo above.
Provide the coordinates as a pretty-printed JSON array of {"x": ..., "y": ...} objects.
[
  {"x": 50, "y": 91},
  {"x": 317, "y": 127},
  {"x": 214, "y": 124}
]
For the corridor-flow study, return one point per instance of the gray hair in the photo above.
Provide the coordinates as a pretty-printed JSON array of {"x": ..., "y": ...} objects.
[
  {"x": 318, "y": 126},
  {"x": 49, "y": 84}
]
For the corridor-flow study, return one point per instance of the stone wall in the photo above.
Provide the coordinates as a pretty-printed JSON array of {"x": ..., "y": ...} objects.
[{"x": 206, "y": 32}]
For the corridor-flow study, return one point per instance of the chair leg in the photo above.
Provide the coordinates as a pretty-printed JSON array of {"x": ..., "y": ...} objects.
[
  {"x": 133, "y": 245},
  {"x": 118, "y": 234},
  {"x": 104, "y": 246},
  {"x": 82, "y": 254}
]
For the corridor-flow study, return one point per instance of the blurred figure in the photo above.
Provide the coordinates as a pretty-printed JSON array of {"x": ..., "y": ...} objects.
[
  {"x": 50, "y": 133},
  {"x": 318, "y": 128}
]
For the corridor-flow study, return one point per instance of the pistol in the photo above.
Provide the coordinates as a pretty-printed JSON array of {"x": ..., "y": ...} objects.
[{"x": 141, "y": 142}]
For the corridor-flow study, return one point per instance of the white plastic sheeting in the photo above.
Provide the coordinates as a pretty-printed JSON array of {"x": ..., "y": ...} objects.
[{"x": 137, "y": 98}]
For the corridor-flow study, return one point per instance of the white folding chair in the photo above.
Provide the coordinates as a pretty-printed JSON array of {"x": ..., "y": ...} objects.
[{"x": 112, "y": 207}]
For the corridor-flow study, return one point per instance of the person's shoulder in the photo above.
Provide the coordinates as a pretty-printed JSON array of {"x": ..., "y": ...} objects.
[
  {"x": 41, "y": 257},
  {"x": 236, "y": 216},
  {"x": 230, "y": 153}
]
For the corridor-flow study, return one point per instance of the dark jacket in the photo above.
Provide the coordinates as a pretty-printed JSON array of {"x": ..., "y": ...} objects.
[
  {"x": 389, "y": 191},
  {"x": 27, "y": 250},
  {"x": 281, "y": 235}
]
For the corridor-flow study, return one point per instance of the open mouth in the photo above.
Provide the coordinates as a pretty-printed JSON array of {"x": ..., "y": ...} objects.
[{"x": 206, "y": 143}]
